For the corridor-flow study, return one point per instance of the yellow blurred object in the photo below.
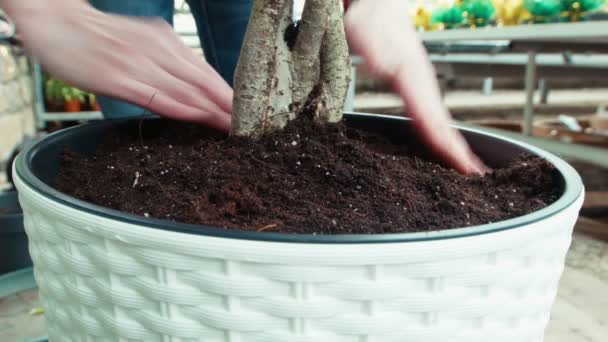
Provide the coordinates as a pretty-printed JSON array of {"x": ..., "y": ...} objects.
[
  {"x": 422, "y": 18},
  {"x": 574, "y": 14},
  {"x": 37, "y": 311},
  {"x": 511, "y": 12}
]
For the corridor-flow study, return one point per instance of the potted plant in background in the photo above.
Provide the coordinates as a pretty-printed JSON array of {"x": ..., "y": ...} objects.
[
  {"x": 543, "y": 11},
  {"x": 479, "y": 13},
  {"x": 93, "y": 104},
  {"x": 450, "y": 17},
  {"x": 53, "y": 94},
  {"x": 60, "y": 96},
  {"x": 511, "y": 12},
  {"x": 577, "y": 10},
  {"x": 73, "y": 98},
  {"x": 112, "y": 275}
]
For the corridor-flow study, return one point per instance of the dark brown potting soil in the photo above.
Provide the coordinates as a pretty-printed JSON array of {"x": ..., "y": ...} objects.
[{"x": 304, "y": 179}]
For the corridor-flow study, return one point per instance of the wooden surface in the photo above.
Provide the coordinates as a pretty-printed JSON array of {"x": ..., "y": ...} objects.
[
  {"x": 593, "y": 227},
  {"x": 596, "y": 199}
]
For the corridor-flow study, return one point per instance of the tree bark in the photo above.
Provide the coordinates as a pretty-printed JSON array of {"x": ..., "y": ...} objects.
[
  {"x": 335, "y": 66},
  {"x": 255, "y": 73},
  {"x": 305, "y": 61},
  {"x": 273, "y": 83}
]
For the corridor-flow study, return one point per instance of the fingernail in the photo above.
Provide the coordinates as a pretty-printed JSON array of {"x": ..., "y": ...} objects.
[{"x": 479, "y": 166}]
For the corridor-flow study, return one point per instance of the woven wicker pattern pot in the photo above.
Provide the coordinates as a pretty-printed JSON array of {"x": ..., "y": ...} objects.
[{"x": 110, "y": 277}]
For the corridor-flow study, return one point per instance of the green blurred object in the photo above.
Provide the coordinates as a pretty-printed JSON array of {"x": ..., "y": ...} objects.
[
  {"x": 450, "y": 17},
  {"x": 479, "y": 13},
  {"x": 543, "y": 11},
  {"x": 73, "y": 94},
  {"x": 58, "y": 93},
  {"x": 53, "y": 90},
  {"x": 577, "y": 10}
]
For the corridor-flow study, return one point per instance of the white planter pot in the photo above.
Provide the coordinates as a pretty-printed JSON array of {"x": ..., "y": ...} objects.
[{"x": 106, "y": 276}]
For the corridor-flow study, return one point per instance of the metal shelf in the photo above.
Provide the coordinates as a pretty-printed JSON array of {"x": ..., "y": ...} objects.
[
  {"x": 40, "y": 113},
  {"x": 596, "y": 31},
  {"x": 566, "y": 38},
  {"x": 69, "y": 116}
]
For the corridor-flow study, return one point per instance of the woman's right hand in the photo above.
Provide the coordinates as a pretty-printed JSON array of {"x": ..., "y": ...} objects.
[
  {"x": 142, "y": 61},
  {"x": 381, "y": 32}
]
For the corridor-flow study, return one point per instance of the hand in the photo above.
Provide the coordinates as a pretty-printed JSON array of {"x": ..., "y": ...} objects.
[
  {"x": 380, "y": 31},
  {"x": 137, "y": 60}
]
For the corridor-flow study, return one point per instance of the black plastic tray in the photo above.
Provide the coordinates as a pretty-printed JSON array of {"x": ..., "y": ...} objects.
[{"x": 14, "y": 253}]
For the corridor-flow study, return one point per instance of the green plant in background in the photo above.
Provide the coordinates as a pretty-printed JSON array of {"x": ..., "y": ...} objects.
[
  {"x": 450, "y": 17},
  {"x": 479, "y": 13},
  {"x": 543, "y": 11},
  {"x": 73, "y": 94},
  {"x": 91, "y": 98},
  {"x": 57, "y": 93},
  {"x": 53, "y": 90},
  {"x": 576, "y": 10},
  {"x": 93, "y": 104}
]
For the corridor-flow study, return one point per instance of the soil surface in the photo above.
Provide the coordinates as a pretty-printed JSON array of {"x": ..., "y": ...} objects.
[{"x": 305, "y": 179}]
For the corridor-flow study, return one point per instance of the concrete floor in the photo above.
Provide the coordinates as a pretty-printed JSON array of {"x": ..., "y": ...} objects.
[{"x": 580, "y": 313}]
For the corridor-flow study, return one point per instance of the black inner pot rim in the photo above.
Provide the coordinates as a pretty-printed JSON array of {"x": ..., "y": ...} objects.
[{"x": 573, "y": 188}]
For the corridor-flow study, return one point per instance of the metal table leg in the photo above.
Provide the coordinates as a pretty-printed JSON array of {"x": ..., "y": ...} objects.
[
  {"x": 530, "y": 86},
  {"x": 486, "y": 88},
  {"x": 543, "y": 89},
  {"x": 38, "y": 95}
]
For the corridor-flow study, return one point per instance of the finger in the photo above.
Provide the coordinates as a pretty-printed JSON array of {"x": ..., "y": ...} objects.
[
  {"x": 415, "y": 82},
  {"x": 377, "y": 34},
  {"x": 213, "y": 119},
  {"x": 182, "y": 62},
  {"x": 211, "y": 83},
  {"x": 153, "y": 35},
  {"x": 449, "y": 145},
  {"x": 136, "y": 79},
  {"x": 153, "y": 75},
  {"x": 432, "y": 125},
  {"x": 432, "y": 120},
  {"x": 186, "y": 65},
  {"x": 150, "y": 98}
]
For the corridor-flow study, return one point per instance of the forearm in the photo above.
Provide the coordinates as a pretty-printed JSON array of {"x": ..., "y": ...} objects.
[
  {"x": 28, "y": 15},
  {"x": 20, "y": 9},
  {"x": 9, "y": 5},
  {"x": 36, "y": 18}
]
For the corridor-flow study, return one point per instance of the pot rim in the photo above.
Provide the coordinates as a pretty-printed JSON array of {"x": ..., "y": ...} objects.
[{"x": 573, "y": 189}]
